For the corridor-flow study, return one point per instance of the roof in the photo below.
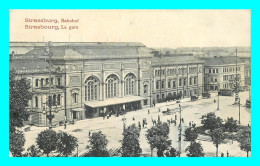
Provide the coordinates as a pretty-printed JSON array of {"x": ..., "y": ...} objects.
[
  {"x": 176, "y": 59},
  {"x": 31, "y": 64},
  {"x": 222, "y": 60},
  {"x": 113, "y": 101},
  {"x": 41, "y": 44},
  {"x": 90, "y": 51}
]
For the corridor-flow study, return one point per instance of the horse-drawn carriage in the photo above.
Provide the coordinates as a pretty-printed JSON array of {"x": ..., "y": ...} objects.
[
  {"x": 205, "y": 95},
  {"x": 194, "y": 98}
]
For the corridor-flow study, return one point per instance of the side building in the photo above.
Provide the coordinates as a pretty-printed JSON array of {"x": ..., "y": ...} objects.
[
  {"x": 174, "y": 74},
  {"x": 220, "y": 73}
]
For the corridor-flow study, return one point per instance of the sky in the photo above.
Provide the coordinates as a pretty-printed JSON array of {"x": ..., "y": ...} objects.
[{"x": 153, "y": 28}]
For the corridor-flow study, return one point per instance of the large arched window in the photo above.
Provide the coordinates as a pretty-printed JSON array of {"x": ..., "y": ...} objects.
[
  {"x": 112, "y": 86},
  {"x": 92, "y": 88},
  {"x": 130, "y": 84}
]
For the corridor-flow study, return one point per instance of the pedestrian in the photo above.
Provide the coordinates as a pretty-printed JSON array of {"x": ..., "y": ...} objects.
[
  {"x": 139, "y": 125},
  {"x": 175, "y": 117},
  {"x": 133, "y": 118},
  {"x": 214, "y": 100},
  {"x": 158, "y": 118},
  {"x": 89, "y": 133},
  {"x": 182, "y": 120},
  {"x": 222, "y": 154},
  {"x": 65, "y": 125},
  {"x": 175, "y": 122},
  {"x": 171, "y": 120},
  {"x": 190, "y": 123},
  {"x": 159, "y": 110},
  {"x": 143, "y": 124},
  {"x": 148, "y": 112},
  {"x": 227, "y": 154}
]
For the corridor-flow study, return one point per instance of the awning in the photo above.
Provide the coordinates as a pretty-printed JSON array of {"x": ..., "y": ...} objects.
[
  {"x": 77, "y": 109},
  {"x": 114, "y": 101}
]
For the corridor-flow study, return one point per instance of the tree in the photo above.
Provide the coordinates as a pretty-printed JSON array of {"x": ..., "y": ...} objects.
[
  {"x": 217, "y": 136},
  {"x": 16, "y": 143},
  {"x": 211, "y": 122},
  {"x": 195, "y": 150},
  {"x": 66, "y": 143},
  {"x": 245, "y": 140},
  {"x": 230, "y": 125},
  {"x": 191, "y": 134},
  {"x": 157, "y": 137},
  {"x": 130, "y": 143},
  {"x": 47, "y": 141},
  {"x": 33, "y": 151},
  {"x": 98, "y": 145},
  {"x": 172, "y": 152},
  {"x": 19, "y": 96}
]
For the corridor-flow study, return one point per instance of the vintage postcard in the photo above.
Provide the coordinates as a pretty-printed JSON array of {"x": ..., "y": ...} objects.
[{"x": 130, "y": 83}]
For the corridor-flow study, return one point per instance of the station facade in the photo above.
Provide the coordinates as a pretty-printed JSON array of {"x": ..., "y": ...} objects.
[{"x": 87, "y": 80}]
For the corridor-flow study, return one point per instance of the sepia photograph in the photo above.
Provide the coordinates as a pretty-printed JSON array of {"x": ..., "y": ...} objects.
[{"x": 130, "y": 83}]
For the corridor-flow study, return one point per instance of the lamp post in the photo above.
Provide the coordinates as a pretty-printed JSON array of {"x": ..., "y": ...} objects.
[
  {"x": 218, "y": 101},
  {"x": 50, "y": 102},
  {"x": 239, "y": 110},
  {"x": 180, "y": 134},
  {"x": 236, "y": 79}
]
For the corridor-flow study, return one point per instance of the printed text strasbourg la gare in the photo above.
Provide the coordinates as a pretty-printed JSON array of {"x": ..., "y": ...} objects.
[{"x": 51, "y": 20}]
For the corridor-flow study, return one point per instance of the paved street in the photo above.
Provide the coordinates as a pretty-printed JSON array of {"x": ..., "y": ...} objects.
[{"x": 191, "y": 111}]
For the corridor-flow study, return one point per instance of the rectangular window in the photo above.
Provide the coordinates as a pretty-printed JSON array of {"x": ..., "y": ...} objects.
[
  {"x": 195, "y": 80},
  {"x": 36, "y": 102},
  {"x": 162, "y": 84},
  {"x": 36, "y": 82},
  {"x": 163, "y": 96},
  {"x": 216, "y": 70},
  {"x": 184, "y": 82},
  {"x": 54, "y": 100},
  {"x": 42, "y": 81},
  {"x": 58, "y": 99},
  {"x": 174, "y": 84},
  {"x": 75, "y": 98},
  {"x": 157, "y": 97},
  {"x": 58, "y": 81},
  {"x": 157, "y": 84},
  {"x": 190, "y": 81},
  {"x": 180, "y": 82},
  {"x": 145, "y": 102},
  {"x": 209, "y": 70},
  {"x": 47, "y": 80},
  {"x": 169, "y": 84}
]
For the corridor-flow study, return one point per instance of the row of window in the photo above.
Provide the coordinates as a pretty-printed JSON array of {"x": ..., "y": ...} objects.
[
  {"x": 45, "y": 81},
  {"x": 192, "y": 70},
  {"x": 213, "y": 70},
  {"x": 182, "y": 81},
  {"x": 231, "y": 77},
  {"x": 230, "y": 69}
]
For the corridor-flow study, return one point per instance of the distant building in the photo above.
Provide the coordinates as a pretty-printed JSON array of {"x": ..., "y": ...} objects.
[
  {"x": 176, "y": 73},
  {"x": 220, "y": 73}
]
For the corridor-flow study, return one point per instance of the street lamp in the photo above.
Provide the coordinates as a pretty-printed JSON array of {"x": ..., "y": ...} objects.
[
  {"x": 236, "y": 79},
  {"x": 239, "y": 110},
  {"x": 218, "y": 101},
  {"x": 180, "y": 134}
]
